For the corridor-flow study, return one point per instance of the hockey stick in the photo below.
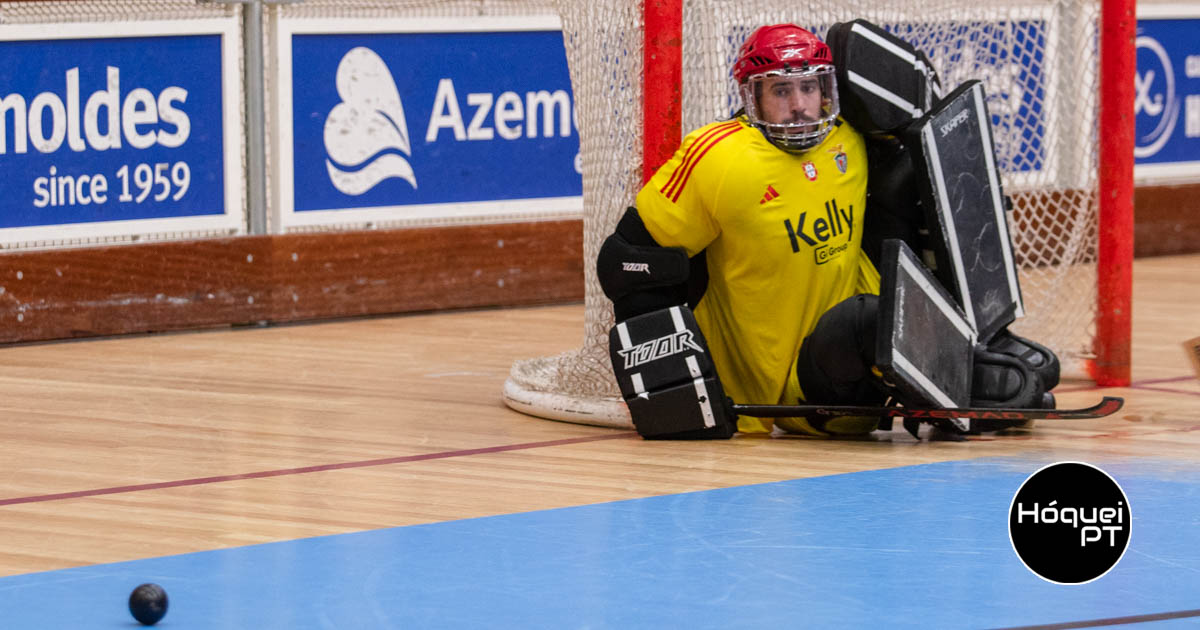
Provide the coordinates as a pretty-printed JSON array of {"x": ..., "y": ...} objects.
[
  {"x": 1106, "y": 407},
  {"x": 952, "y": 421}
]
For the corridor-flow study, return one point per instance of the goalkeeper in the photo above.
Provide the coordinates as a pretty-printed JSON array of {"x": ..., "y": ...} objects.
[{"x": 756, "y": 223}]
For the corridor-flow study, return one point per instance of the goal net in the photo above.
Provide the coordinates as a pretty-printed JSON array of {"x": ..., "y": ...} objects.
[{"x": 1038, "y": 60}]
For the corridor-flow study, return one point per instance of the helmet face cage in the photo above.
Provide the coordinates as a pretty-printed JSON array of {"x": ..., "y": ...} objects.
[{"x": 789, "y": 132}]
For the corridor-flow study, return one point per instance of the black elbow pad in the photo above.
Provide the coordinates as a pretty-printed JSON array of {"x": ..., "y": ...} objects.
[{"x": 638, "y": 274}]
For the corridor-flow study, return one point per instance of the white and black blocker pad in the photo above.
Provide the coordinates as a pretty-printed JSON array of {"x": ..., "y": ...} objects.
[
  {"x": 884, "y": 83},
  {"x": 924, "y": 346},
  {"x": 666, "y": 374},
  {"x": 959, "y": 184}
]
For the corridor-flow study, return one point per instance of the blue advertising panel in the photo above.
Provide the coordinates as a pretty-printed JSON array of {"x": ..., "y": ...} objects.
[
  {"x": 427, "y": 122},
  {"x": 1015, "y": 99},
  {"x": 103, "y": 135},
  {"x": 1167, "y": 98},
  {"x": 1015, "y": 78}
]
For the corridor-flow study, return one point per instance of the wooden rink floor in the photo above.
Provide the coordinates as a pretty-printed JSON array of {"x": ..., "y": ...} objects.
[{"x": 129, "y": 448}]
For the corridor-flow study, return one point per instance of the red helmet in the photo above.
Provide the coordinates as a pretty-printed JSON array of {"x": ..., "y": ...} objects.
[
  {"x": 780, "y": 47},
  {"x": 786, "y": 52}
]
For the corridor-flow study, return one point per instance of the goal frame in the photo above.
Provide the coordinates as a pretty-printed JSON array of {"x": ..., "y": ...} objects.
[
  {"x": 662, "y": 128},
  {"x": 1072, "y": 185}
]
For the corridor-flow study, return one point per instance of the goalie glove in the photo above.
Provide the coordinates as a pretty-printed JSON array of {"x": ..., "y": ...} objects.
[{"x": 667, "y": 377}]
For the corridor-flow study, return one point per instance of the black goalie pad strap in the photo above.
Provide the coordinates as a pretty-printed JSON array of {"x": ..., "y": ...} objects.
[
  {"x": 1001, "y": 380},
  {"x": 1039, "y": 358},
  {"x": 884, "y": 83},
  {"x": 924, "y": 345},
  {"x": 666, "y": 375},
  {"x": 960, "y": 189},
  {"x": 667, "y": 414}
]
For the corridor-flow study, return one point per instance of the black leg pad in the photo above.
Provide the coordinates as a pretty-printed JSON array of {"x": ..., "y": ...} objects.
[
  {"x": 683, "y": 412},
  {"x": 667, "y": 378}
]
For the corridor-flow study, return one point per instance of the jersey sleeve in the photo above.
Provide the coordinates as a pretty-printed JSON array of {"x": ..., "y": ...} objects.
[{"x": 678, "y": 204}]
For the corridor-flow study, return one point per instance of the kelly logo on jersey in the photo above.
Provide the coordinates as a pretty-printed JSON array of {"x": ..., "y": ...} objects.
[{"x": 836, "y": 222}]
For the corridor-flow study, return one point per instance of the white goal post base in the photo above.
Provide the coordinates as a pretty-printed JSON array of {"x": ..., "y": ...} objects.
[{"x": 604, "y": 412}]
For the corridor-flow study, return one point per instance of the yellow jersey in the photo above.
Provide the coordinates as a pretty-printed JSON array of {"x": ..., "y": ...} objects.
[{"x": 783, "y": 234}]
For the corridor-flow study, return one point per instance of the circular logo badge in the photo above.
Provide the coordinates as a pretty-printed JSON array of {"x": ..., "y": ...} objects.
[
  {"x": 1156, "y": 107},
  {"x": 1070, "y": 523}
]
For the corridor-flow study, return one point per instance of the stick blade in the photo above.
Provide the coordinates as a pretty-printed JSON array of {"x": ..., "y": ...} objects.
[{"x": 1106, "y": 407}]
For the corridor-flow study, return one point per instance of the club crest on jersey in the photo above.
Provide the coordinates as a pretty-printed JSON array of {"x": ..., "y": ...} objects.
[
  {"x": 810, "y": 171},
  {"x": 841, "y": 161},
  {"x": 839, "y": 158}
]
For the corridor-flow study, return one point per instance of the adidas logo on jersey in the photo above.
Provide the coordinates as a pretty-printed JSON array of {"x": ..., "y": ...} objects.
[{"x": 769, "y": 195}]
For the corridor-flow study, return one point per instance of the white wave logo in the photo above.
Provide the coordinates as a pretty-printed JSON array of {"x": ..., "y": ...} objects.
[
  {"x": 1154, "y": 101},
  {"x": 367, "y": 126}
]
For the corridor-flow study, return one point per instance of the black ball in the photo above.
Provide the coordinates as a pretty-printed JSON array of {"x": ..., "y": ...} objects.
[{"x": 148, "y": 604}]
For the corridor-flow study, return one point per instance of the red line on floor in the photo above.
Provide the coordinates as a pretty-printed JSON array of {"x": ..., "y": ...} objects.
[
  {"x": 1111, "y": 621},
  {"x": 1167, "y": 389},
  {"x": 309, "y": 469},
  {"x": 1135, "y": 384}
]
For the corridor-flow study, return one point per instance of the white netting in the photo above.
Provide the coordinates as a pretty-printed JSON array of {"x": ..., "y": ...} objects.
[{"x": 1038, "y": 61}]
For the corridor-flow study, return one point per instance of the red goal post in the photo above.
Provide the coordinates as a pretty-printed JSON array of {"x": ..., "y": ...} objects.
[
  {"x": 1060, "y": 79},
  {"x": 1114, "y": 309}
]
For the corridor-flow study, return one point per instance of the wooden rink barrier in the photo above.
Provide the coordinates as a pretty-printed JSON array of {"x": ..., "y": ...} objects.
[{"x": 90, "y": 291}]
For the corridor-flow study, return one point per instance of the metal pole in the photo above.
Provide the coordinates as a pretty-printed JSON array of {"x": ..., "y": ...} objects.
[{"x": 256, "y": 156}]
